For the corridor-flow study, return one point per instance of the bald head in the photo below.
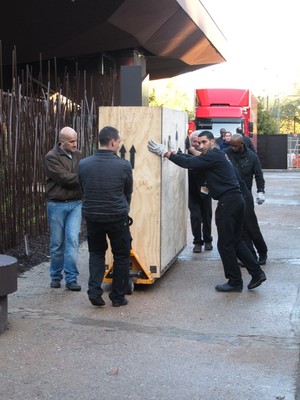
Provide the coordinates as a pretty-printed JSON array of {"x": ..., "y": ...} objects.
[
  {"x": 66, "y": 132},
  {"x": 236, "y": 142},
  {"x": 68, "y": 139}
]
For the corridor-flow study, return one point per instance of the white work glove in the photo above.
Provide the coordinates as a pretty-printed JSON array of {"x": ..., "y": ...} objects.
[
  {"x": 260, "y": 198},
  {"x": 157, "y": 148}
]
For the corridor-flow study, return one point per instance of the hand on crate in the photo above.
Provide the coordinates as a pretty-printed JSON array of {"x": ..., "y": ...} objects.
[{"x": 157, "y": 148}]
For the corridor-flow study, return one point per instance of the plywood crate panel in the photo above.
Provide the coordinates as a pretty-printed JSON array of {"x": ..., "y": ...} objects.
[{"x": 159, "y": 200}]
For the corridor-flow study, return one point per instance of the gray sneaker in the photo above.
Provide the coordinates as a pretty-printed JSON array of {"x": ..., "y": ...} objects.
[
  {"x": 197, "y": 248},
  {"x": 73, "y": 286},
  {"x": 208, "y": 246},
  {"x": 55, "y": 284}
]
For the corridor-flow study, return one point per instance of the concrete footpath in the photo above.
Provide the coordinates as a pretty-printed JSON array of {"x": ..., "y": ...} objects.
[{"x": 177, "y": 339}]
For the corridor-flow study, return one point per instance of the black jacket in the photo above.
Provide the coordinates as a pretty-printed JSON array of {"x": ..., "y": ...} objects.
[
  {"x": 61, "y": 175},
  {"x": 248, "y": 142},
  {"x": 107, "y": 184},
  {"x": 195, "y": 178},
  {"x": 217, "y": 170},
  {"x": 248, "y": 165},
  {"x": 225, "y": 145}
]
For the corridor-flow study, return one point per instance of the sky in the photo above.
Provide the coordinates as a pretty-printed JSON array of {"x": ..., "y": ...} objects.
[{"x": 263, "y": 52}]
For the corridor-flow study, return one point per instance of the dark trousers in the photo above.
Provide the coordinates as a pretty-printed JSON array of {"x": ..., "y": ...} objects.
[
  {"x": 229, "y": 221},
  {"x": 201, "y": 215},
  {"x": 120, "y": 241},
  {"x": 252, "y": 234}
]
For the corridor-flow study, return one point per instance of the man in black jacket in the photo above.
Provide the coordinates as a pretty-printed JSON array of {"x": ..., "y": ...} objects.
[
  {"x": 107, "y": 185},
  {"x": 220, "y": 139},
  {"x": 200, "y": 206},
  {"x": 223, "y": 186},
  {"x": 248, "y": 166}
]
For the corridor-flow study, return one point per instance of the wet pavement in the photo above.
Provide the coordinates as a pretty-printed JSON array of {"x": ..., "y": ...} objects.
[{"x": 177, "y": 338}]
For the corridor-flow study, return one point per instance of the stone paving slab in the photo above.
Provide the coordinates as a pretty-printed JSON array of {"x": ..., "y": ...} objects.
[{"x": 176, "y": 339}]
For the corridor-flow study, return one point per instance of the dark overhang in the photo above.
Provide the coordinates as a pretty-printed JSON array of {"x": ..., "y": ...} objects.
[{"x": 176, "y": 36}]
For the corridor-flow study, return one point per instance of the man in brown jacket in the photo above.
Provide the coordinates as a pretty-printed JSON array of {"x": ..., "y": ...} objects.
[{"x": 64, "y": 195}]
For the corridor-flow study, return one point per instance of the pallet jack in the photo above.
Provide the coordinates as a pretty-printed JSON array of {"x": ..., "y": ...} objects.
[{"x": 138, "y": 274}]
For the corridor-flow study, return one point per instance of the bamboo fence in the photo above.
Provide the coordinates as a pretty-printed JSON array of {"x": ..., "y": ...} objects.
[{"x": 32, "y": 114}]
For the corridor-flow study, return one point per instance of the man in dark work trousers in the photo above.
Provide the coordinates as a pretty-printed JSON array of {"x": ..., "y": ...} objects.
[
  {"x": 200, "y": 205},
  {"x": 107, "y": 183},
  {"x": 223, "y": 186},
  {"x": 248, "y": 166}
]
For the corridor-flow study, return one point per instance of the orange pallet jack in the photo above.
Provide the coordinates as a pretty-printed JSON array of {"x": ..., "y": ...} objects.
[{"x": 138, "y": 274}]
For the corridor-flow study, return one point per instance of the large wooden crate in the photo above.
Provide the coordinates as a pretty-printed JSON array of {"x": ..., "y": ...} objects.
[{"x": 159, "y": 202}]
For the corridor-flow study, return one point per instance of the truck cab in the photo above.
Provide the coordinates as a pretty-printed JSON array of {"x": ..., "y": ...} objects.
[{"x": 225, "y": 108}]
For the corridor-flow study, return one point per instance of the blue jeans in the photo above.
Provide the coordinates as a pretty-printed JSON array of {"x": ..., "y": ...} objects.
[{"x": 65, "y": 221}]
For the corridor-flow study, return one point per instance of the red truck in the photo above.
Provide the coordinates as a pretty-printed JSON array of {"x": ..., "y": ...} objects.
[{"x": 225, "y": 108}]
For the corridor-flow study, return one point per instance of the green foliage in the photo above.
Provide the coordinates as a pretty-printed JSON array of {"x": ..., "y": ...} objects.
[
  {"x": 167, "y": 93},
  {"x": 290, "y": 115},
  {"x": 266, "y": 123},
  {"x": 281, "y": 115}
]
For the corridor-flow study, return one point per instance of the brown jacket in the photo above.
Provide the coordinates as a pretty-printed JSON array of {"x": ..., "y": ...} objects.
[{"x": 61, "y": 175}]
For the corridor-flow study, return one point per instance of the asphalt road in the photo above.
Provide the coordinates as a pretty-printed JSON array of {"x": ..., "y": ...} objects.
[{"x": 177, "y": 338}]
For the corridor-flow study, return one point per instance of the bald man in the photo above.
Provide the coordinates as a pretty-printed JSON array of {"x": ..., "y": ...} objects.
[
  {"x": 63, "y": 196},
  {"x": 248, "y": 166},
  {"x": 247, "y": 141}
]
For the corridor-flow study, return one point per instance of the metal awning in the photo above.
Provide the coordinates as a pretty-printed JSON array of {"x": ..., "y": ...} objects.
[{"x": 176, "y": 36}]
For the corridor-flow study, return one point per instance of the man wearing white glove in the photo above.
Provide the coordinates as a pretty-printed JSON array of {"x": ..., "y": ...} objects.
[
  {"x": 157, "y": 148},
  {"x": 260, "y": 198},
  {"x": 223, "y": 185},
  {"x": 248, "y": 165}
]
